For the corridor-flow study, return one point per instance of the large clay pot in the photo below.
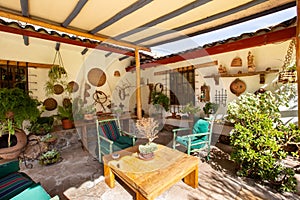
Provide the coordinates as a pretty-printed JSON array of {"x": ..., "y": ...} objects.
[{"x": 14, "y": 151}]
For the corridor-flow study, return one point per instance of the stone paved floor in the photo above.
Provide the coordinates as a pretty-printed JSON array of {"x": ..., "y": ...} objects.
[{"x": 80, "y": 176}]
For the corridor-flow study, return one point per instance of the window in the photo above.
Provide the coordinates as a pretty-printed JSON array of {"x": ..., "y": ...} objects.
[
  {"x": 12, "y": 75},
  {"x": 182, "y": 86}
]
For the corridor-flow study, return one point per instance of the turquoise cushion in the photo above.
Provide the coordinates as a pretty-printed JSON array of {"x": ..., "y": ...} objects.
[
  {"x": 201, "y": 126},
  {"x": 110, "y": 130},
  {"x": 9, "y": 167},
  {"x": 184, "y": 141},
  {"x": 13, "y": 184},
  {"x": 35, "y": 192}
]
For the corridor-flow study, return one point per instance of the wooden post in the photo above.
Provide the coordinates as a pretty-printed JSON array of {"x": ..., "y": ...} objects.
[
  {"x": 138, "y": 84},
  {"x": 298, "y": 56}
]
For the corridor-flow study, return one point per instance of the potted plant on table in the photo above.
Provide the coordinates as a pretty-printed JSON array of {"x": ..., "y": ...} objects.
[
  {"x": 147, "y": 128},
  {"x": 16, "y": 106}
]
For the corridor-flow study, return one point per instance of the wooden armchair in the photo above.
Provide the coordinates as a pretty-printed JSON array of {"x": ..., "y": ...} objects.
[
  {"x": 111, "y": 138},
  {"x": 197, "y": 138}
]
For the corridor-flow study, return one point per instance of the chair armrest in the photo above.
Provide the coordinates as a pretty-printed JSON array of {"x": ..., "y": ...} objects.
[
  {"x": 128, "y": 134},
  {"x": 105, "y": 139},
  {"x": 175, "y": 134},
  {"x": 132, "y": 135},
  {"x": 201, "y": 134},
  {"x": 194, "y": 135},
  {"x": 181, "y": 129}
]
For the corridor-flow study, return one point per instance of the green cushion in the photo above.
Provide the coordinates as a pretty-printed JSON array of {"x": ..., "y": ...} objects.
[
  {"x": 9, "y": 167},
  {"x": 123, "y": 142},
  {"x": 13, "y": 184},
  {"x": 35, "y": 192}
]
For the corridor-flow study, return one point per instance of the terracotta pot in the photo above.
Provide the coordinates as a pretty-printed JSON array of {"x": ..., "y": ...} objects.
[
  {"x": 67, "y": 124},
  {"x": 14, "y": 151}
]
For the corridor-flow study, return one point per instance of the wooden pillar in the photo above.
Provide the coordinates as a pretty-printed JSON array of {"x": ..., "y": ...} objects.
[
  {"x": 298, "y": 56},
  {"x": 138, "y": 84}
]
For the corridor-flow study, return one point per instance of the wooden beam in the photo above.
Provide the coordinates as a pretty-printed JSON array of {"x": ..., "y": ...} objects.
[
  {"x": 24, "y": 64},
  {"x": 138, "y": 85},
  {"x": 74, "y": 13},
  {"x": 25, "y": 12},
  {"x": 164, "y": 18},
  {"x": 207, "y": 64},
  {"x": 18, "y": 30},
  {"x": 259, "y": 40},
  {"x": 231, "y": 23},
  {"x": 298, "y": 56},
  {"x": 135, "y": 6},
  {"x": 179, "y": 69},
  {"x": 69, "y": 31},
  {"x": 203, "y": 21}
]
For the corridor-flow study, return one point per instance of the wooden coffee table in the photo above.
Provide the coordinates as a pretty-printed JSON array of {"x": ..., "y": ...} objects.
[{"x": 148, "y": 179}]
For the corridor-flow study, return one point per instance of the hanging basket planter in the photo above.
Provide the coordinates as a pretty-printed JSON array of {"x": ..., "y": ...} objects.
[
  {"x": 50, "y": 104},
  {"x": 73, "y": 86},
  {"x": 58, "y": 89}
]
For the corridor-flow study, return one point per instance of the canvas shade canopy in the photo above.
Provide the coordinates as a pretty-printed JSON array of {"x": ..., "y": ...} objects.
[
  {"x": 145, "y": 23},
  {"x": 133, "y": 24}
]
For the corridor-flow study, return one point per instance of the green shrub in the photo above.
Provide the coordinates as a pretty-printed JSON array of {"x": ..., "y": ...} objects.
[{"x": 259, "y": 137}]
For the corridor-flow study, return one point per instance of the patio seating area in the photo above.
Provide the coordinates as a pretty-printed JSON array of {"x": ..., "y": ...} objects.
[
  {"x": 151, "y": 100},
  {"x": 80, "y": 176}
]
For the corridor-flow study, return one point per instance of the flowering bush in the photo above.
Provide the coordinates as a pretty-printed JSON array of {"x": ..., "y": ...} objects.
[{"x": 259, "y": 137}]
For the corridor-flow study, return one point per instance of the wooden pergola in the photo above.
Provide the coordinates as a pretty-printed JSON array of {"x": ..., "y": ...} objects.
[{"x": 130, "y": 27}]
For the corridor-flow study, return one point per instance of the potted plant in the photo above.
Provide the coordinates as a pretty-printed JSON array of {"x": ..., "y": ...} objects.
[
  {"x": 210, "y": 108},
  {"x": 50, "y": 157},
  {"x": 49, "y": 138},
  {"x": 160, "y": 99},
  {"x": 65, "y": 114},
  {"x": 57, "y": 75},
  {"x": 16, "y": 106},
  {"x": 147, "y": 128},
  {"x": 42, "y": 125}
]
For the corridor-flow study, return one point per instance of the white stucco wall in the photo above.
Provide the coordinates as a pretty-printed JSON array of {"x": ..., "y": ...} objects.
[{"x": 77, "y": 66}]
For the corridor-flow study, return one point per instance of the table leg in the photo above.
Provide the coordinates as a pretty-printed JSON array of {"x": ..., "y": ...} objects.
[
  {"x": 109, "y": 176},
  {"x": 192, "y": 178},
  {"x": 139, "y": 196}
]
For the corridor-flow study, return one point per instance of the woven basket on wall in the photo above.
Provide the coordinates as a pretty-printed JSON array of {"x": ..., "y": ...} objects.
[{"x": 96, "y": 77}]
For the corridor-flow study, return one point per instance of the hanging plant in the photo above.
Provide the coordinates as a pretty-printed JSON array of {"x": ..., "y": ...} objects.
[
  {"x": 57, "y": 72},
  {"x": 57, "y": 77}
]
